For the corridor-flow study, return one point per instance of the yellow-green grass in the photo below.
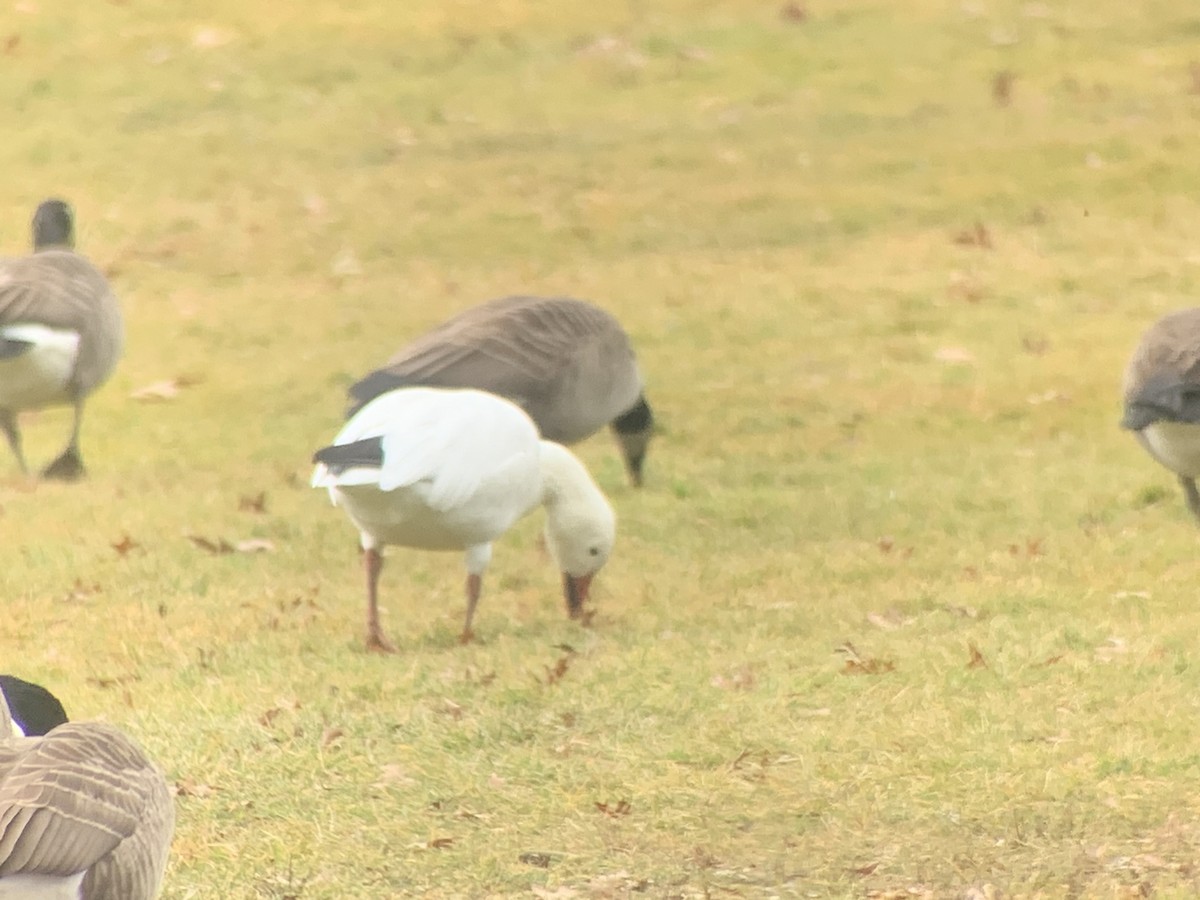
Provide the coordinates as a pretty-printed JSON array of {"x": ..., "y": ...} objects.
[{"x": 874, "y": 431}]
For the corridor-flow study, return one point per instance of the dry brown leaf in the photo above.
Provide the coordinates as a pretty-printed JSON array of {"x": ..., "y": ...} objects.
[
  {"x": 976, "y": 236},
  {"x": 740, "y": 679},
  {"x": 437, "y": 843},
  {"x": 976, "y": 661},
  {"x": 253, "y": 502},
  {"x": 889, "y": 620},
  {"x": 615, "y": 810},
  {"x": 857, "y": 664},
  {"x": 217, "y": 547},
  {"x": 555, "y": 673},
  {"x": 254, "y": 545},
  {"x": 80, "y": 591},
  {"x": 393, "y": 773},
  {"x": 124, "y": 545},
  {"x": 966, "y": 612},
  {"x": 1002, "y": 84},
  {"x": 329, "y": 735},
  {"x": 167, "y": 389},
  {"x": 864, "y": 870},
  {"x": 541, "y": 860},
  {"x": 954, "y": 355},
  {"x": 558, "y": 893},
  {"x": 187, "y": 787},
  {"x": 793, "y": 12},
  {"x": 1051, "y": 660}
]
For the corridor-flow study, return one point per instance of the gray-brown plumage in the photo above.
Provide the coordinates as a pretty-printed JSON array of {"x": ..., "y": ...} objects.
[
  {"x": 60, "y": 332},
  {"x": 567, "y": 363},
  {"x": 83, "y": 813},
  {"x": 1162, "y": 397}
]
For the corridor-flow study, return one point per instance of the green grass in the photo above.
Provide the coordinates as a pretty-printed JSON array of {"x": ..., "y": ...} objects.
[{"x": 872, "y": 433}]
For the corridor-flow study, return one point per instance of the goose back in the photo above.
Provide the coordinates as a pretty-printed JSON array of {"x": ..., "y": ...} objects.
[
  {"x": 567, "y": 363},
  {"x": 85, "y": 799},
  {"x": 61, "y": 289}
]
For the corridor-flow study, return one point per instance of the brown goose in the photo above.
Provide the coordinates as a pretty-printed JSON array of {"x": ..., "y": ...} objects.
[
  {"x": 84, "y": 815},
  {"x": 567, "y": 363},
  {"x": 1162, "y": 397},
  {"x": 60, "y": 332}
]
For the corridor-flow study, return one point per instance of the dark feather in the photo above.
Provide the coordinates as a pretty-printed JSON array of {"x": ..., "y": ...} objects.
[{"x": 364, "y": 454}]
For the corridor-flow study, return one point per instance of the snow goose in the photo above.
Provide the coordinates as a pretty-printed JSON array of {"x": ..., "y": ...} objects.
[
  {"x": 34, "y": 709},
  {"x": 60, "y": 332},
  {"x": 1162, "y": 397},
  {"x": 84, "y": 814},
  {"x": 444, "y": 469},
  {"x": 567, "y": 363}
]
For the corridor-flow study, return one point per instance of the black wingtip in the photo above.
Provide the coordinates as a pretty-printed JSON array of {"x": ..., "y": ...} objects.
[{"x": 364, "y": 454}]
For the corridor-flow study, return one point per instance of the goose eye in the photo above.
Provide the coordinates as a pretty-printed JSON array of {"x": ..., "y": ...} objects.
[{"x": 594, "y": 551}]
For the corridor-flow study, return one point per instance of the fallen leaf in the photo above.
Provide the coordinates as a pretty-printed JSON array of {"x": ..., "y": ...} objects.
[
  {"x": 541, "y": 860},
  {"x": 793, "y": 12},
  {"x": 329, "y": 735},
  {"x": 558, "y": 893},
  {"x": 965, "y": 612},
  {"x": 1111, "y": 649},
  {"x": 124, "y": 545},
  {"x": 166, "y": 389},
  {"x": 253, "y": 502},
  {"x": 1051, "y": 660},
  {"x": 218, "y": 547},
  {"x": 975, "y": 236},
  {"x": 890, "y": 620},
  {"x": 187, "y": 787},
  {"x": 1002, "y": 85},
  {"x": 438, "y": 843},
  {"x": 954, "y": 355},
  {"x": 615, "y": 810},
  {"x": 865, "y": 870},
  {"x": 1036, "y": 346},
  {"x": 80, "y": 591},
  {"x": 740, "y": 679},
  {"x": 976, "y": 661},
  {"x": 254, "y": 545},
  {"x": 451, "y": 709},
  {"x": 856, "y": 664},
  {"x": 555, "y": 673},
  {"x": 393, "y": 773}
]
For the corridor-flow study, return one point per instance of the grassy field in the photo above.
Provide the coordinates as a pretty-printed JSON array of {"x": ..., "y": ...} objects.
[{"x": 900, "y": 611}]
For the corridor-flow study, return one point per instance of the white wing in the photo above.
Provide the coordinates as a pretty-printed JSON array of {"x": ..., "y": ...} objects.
[{"x": 452, "y": 440}]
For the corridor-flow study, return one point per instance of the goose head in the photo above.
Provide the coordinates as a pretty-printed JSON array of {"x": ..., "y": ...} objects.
[
  {"x": 53, "y": 226},
  {"x": 581, "y": 526},
  {"x": 633, "y": 430}
]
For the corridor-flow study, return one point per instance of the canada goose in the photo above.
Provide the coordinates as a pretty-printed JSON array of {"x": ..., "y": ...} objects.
[
  {"x": 34, "y": 709},
  {"x": 1162, "y": 397},
  {"x": 84, "y": 815},
  {"x": 567, "y": 363},
  {"x": 60, "y": 332},
  {"x": 442, "y": 469}
]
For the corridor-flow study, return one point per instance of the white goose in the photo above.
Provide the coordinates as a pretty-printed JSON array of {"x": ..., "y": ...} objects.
[
  {"x": 60, "y": 332},
  {"x": 84, "y": 815},
  {"x": 439, "y": 469}
]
